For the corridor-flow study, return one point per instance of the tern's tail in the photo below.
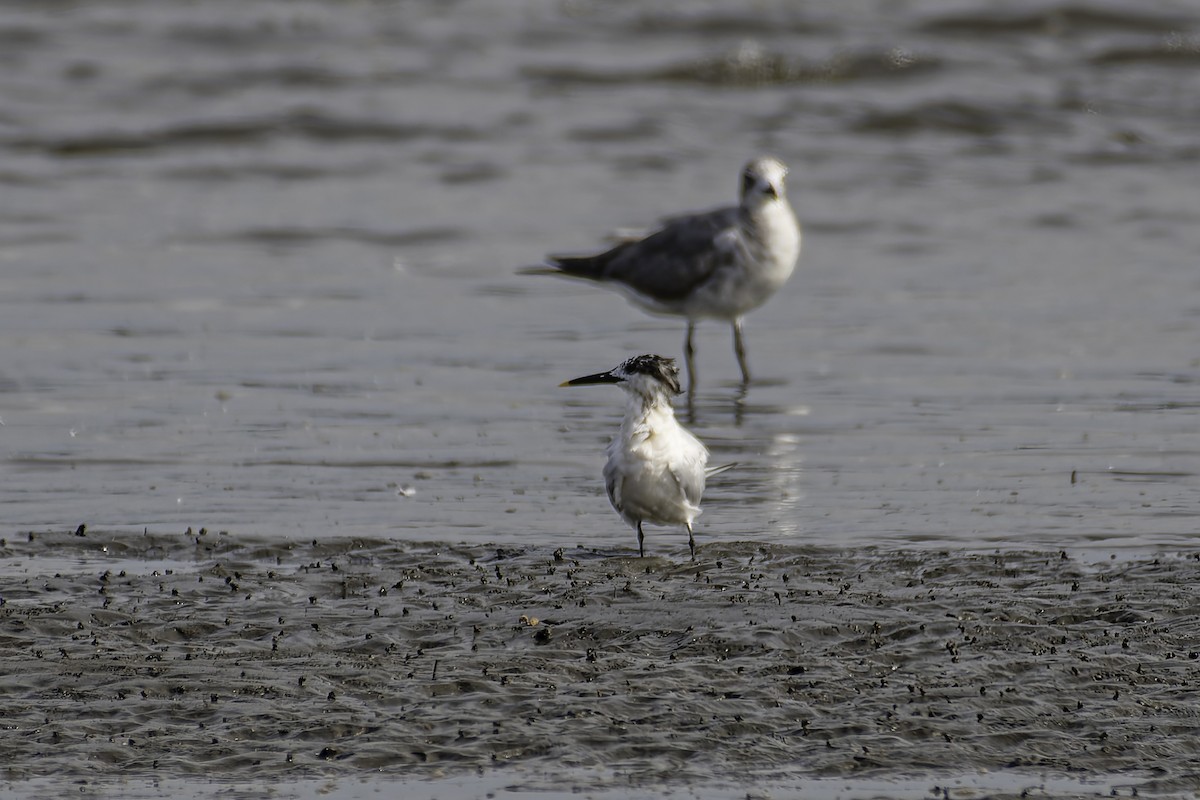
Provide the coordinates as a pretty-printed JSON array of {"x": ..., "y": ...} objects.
[{"x": 708, "y": 473}]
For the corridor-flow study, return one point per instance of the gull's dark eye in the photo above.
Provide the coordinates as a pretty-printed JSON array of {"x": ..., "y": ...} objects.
[{"x": 770, "y": 191}]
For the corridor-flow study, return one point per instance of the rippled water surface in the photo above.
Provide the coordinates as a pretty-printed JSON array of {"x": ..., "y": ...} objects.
[{"x": 258, "y": 277}]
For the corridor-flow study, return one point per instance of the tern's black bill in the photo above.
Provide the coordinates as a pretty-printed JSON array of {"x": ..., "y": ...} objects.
[{"x": 589, "y": 380}]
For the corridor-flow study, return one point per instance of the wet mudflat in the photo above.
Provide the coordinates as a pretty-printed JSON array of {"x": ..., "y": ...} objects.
[{"x": 192, "y": 656}]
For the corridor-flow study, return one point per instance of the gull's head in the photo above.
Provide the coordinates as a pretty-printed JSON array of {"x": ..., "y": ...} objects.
[
  {"x": 763, "y": 182},
  {"x": 647, "y": 376}
]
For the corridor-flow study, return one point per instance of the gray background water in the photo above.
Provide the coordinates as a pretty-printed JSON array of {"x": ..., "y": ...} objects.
[
  {"x": 258, "y": 265},
  {"x": 257, "y": 274}
]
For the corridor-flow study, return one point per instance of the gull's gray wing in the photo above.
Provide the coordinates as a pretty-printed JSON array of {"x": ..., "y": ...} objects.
[{"x": 668, "y": 264}]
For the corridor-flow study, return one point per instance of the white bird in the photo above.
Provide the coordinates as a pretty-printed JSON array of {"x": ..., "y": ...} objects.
[
  {"x": 656, "y": 468},
  {"x": 714, "y": 265}
]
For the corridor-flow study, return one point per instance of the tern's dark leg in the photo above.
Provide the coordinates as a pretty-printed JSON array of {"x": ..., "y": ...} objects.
[
  {"x": 691, "y": 541},
  {"x": 689, "y": 355},
  {"x": 739, "y": 348},
  {"x": 641, "y": 541}
]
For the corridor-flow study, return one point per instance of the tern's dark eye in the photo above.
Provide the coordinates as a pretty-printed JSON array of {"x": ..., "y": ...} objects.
[
  {"x": 747, "y": 182},
  {"x": 769, "y": 191}
]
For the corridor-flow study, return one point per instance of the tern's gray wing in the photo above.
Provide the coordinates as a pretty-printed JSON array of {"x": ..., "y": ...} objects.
[
  {"x": 668, "y": 264},
  {"x": 690, "y": 477},
  {"x": 612, "y": 485}
]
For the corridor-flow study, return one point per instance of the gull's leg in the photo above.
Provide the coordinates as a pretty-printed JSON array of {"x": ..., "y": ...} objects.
[
  {"x": 689, "y": 356},
  {"x": 691, "y": 541},
  {"x": 641, "y": 541},
  {"x": 739, "y": 348}
]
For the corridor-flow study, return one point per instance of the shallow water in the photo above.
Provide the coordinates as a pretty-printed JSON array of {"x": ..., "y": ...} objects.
[
  {"x": 258, "y": 276},
  {"x": 259, "y": 268}
]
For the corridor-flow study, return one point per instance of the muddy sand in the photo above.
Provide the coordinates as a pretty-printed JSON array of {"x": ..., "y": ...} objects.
[{"x": 208, "y": 658}]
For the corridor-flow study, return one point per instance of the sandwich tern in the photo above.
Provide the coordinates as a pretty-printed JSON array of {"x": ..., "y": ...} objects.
[
  {"x": 656, "y": 468},
  {"x": 713, "y": 265}
]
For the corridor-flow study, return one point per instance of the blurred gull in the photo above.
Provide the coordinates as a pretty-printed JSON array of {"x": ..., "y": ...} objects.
[
  {"x": 656, "y": 468},
  {"x": 715, "y": 265}
]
